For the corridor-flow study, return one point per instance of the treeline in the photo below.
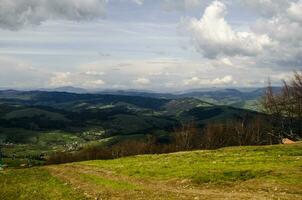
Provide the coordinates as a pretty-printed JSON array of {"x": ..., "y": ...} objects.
[{"x": 246, "y": 131}]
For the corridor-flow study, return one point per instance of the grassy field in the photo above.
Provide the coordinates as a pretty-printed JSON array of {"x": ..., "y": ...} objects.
[
  {"x": 34, "y": 183},
  {"x": 266, "y": 172},
  {"x": 43, "y": 143}
]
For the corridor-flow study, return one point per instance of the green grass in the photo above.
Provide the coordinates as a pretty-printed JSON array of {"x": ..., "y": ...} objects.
[
  {"x": 111, "y": 184},
  {"x": 114, "y": 139},
  {"x": 45, "y": 143},
  {"x": 34, "y": 183},
  {"x": 58, "y": 138},
  {"x": 263, "y": 172},
  {"x": 278, "y": 163}
]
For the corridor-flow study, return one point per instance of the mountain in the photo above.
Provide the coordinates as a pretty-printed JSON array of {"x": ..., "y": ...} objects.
[
  {"x": 69, "y": 89},
  {"x": 247, "y": 98},
  {"x": 122, "y": 113},
  {"x": 40, "y": 111},
  {"x": 35, "y": 122}
]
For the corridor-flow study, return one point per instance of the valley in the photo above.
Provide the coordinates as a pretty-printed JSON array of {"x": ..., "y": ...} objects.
[{"x": 35, "y": 124}]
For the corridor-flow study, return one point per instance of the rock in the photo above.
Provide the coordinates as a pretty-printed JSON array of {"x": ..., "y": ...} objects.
[
  {"x": 184, "y": 181},
  {"x": 287, "y": 141}
]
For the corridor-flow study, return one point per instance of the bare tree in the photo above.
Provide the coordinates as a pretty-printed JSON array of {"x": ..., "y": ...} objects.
[
  {"x": 187, "y": 137},
  {"x": 285, "y": 108}
]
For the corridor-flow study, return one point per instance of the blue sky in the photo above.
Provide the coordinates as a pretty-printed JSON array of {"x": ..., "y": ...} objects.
[{"x": 162, "y": 45}]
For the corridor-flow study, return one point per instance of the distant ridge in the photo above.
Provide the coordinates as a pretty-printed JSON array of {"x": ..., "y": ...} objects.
[
  {"x": 237, "y": 97},
  {"x": 69, "y": 89}
]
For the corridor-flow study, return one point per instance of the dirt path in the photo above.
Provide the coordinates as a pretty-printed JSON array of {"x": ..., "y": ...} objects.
[{"x": 98, "y": 183}]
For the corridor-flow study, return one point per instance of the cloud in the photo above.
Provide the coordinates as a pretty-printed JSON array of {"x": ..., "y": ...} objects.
[
  {"x": 61, "y": 79},
  {"x": 285, "y": 28},
  {"x": 20, "y": 74},
  {"x": 15, "y": 14},
  {"x": 138, "y": 2},
  {"x": 192, "y": 81},
  {"x": 78, "y": 79},
  {"x": 226, "y": 80},
  {"x": 295, "y": 11},
  {"x": 276, "y": 8},
  {"x": 266, "y": 8},
  {"x": 98, "y": 82},
  {"x": 180, "y": 5},
  {"x": 93, "y": 83},
  {"x": 94, "y": 73},
  {"x": 213, "y": 36},
  {"x": 142, "y": 81}
]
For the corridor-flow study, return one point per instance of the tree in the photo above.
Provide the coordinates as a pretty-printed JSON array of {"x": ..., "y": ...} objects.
[
  {"x": 187, "y": 137},
  {"x": 285, "y": 108}
]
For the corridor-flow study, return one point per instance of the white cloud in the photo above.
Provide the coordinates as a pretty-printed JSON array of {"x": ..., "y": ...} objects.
[
  {"x": 15, "y": 14},
  {"x": 142, "y": 81},
  {"x": 213, "y": 36},
  {"x": 16, "y": 73},
  {"x": 171, "y": 5},
  {"x": 226, "y": 61},
  {"x": 196, "y": 81},
  {"x": 267, "y": 8},
  {"x": 98, "y": 82},
  {"x": 94, "y": 73},
  {"x": 61, "y": 79},
  {"x": 225, "y": 80},
  {"x": 192, "y": 81},
  {"x": 264, "y": 41},
  {"x": 75, "y": 79},
  {"x": 138, "y": 2},
  {"x": 93, "y": 84},
  {"x": 285, "y": 28},
  {"x": 295, "y": 11}
]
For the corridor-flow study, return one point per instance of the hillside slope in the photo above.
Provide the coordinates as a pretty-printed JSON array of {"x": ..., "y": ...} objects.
[
  {"x": 266, "y": 172},
  {"x": 28, "y": 117}
]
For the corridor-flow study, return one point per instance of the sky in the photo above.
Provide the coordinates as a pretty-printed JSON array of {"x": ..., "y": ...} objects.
[{"x": 159, "y": 45}]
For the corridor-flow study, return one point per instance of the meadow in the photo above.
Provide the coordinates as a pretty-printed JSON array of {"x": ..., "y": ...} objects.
[{"x": 258, "y": 172}]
